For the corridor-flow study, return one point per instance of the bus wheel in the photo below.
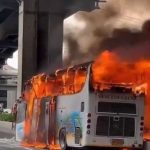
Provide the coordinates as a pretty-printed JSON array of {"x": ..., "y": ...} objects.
[{"x": 62, "y": 139}]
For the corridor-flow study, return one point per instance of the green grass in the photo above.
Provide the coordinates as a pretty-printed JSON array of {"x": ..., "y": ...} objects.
[{"x": 6, "y": 117}]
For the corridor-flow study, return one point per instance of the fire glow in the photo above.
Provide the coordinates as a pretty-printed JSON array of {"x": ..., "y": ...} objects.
[
  {"x": 61, "y": 83},
  {"x": 107, "y": 68}
]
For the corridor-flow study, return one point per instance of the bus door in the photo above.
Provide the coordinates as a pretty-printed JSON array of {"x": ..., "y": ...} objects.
[
  {"x": 43, "y": 122},
  {"x": 52, "y": 121},
  {"x": 46, "y": 122},
  {"x": 47, "y": 119},
  {"x": 35, "y": 120},
  {"x": 22, "y": 106}
]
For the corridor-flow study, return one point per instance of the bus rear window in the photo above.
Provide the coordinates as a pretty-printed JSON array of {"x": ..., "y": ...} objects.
[{"x": 112, "y": 107}]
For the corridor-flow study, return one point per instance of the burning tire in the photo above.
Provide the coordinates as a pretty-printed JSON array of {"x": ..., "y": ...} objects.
[{"x": 62, "y": 139}]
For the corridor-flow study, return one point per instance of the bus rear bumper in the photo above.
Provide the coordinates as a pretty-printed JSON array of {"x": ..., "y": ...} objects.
[{"x": 111, "y": 142}]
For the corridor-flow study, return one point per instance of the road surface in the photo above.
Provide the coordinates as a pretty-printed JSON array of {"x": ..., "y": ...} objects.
[
  {"x": 7, "y": 138},
  {"x": 10, "y": 144}
]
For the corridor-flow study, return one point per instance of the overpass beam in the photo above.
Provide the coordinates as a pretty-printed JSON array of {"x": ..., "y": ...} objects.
[
  {"x": 8, "y": 44},
  {"x": 72, "y": 6}
]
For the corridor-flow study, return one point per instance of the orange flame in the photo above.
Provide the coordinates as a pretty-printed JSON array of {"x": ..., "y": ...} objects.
[
  {"x": 109, "y": 68},
  {"x": 62, "y": 82}
]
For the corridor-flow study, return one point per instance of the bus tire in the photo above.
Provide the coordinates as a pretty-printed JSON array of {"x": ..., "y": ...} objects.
[{"x": 62, "y": 139}]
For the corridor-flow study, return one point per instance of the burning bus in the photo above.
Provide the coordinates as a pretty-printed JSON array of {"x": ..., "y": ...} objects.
[{"x": 69, "y": 109}]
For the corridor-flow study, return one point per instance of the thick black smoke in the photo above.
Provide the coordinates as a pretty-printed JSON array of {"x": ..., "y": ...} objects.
[
  {"x": 81, "y": 43},
  {"x": 129, "y": 44},
  {"x": 122, "y": 26}
]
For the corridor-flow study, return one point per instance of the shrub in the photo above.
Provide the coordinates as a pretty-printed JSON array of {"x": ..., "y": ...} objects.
[{"x": 7, "y": 117}]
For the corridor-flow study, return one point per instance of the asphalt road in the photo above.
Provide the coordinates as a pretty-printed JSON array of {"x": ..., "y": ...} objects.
[
  {"x": 10, "y": 144},
  {"x": 7, "y": 138}
]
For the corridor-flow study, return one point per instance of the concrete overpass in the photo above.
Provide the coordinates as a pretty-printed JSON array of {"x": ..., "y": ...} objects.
[
  {"x": 40, "y": 32},
  {"x": 8, "y": 28},
  {"x": 9, "y": 20},
  {"x": 8, "y": 86}
]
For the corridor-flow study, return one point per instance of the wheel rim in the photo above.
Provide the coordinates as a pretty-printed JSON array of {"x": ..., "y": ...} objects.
[{"x": 62, "y": 140}]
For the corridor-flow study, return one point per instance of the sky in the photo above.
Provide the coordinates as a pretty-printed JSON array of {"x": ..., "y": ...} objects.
[{"x": 13, "y": 62}]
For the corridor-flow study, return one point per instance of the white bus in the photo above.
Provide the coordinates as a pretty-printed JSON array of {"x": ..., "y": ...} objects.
[{"x": 112, "y": 117}]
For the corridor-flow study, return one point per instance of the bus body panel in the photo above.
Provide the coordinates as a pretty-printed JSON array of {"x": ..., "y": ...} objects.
[
  {"x": 84, "y": 115},
  {"x": 70, "y": 116},
  {"x": 97, "y": 140}
]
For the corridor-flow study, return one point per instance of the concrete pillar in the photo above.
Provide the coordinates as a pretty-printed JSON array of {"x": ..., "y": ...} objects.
[
  {"x": 27, "y": 47},
  {"x": 50, "y": 35},
  {"x": 50, "y": 39},
  {"x": 40, "y": 38}
]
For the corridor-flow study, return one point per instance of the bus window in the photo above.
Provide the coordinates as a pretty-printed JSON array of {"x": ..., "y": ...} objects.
[
  {"x": 112, "y": 107},
  {"x": 69, "y": 78},
  {"x": 116, "y": 126},
  {"x": 102, "y": 126},
  {"x": 112, "y": 126},
  {"x": 129, "y": 127},
  {"x": 80, "y": 78}
]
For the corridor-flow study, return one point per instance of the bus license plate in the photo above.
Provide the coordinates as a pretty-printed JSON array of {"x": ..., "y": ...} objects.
[{"x": 117, "y": 142}]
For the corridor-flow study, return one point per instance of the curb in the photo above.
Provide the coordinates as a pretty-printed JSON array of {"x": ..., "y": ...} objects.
[{"x": 5, "y": 127}]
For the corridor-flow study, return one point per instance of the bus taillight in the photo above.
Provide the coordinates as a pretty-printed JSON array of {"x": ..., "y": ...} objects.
[
  {"x": 141, "y": 128},
  {"x": 89, "y": 121},
  {"x": 89, "y": 114},
  {"x": 142, "y": 118},
  {"x": 88, "y": 126},
  {"x": 142, "y": 123}
]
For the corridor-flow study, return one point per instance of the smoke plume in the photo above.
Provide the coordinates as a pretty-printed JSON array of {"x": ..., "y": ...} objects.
[{"x": 122, "y": 26}]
